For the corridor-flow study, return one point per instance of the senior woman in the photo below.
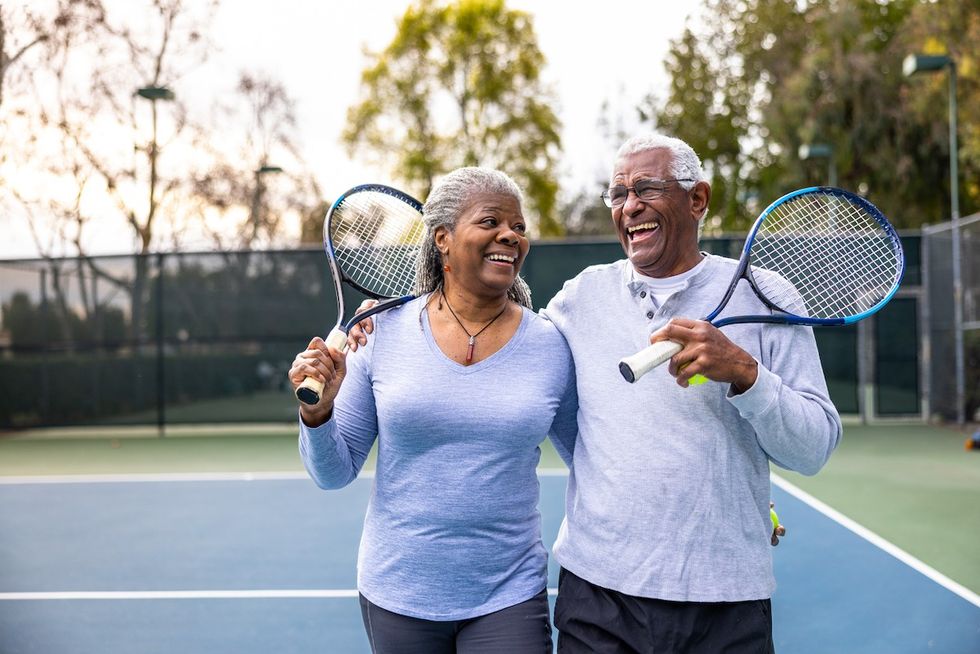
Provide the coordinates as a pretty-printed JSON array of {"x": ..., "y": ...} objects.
[{"x": 459, "y": 387}]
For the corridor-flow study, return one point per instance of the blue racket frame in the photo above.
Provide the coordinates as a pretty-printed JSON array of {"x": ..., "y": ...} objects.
[{"x": 784, "y": 317}]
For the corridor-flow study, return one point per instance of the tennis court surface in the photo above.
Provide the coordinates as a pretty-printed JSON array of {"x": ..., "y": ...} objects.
[{"x": 265, "y": 562}]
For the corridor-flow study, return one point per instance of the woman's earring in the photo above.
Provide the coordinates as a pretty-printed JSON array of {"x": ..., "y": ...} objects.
[{"x": 445, "y": 265}]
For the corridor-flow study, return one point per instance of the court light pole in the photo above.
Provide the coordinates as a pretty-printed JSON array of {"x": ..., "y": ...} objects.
[
  {"x": 155, "y": 94},
  {"x": 913, "y": 64},
  {"x": 865, "y": 335},
  {"x": 821, "y": 151}
]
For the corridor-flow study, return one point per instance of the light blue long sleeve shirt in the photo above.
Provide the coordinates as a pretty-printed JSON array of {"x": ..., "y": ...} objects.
[
  {"x": 452, "y": 529},
  {"x": 668, "y": 495}
]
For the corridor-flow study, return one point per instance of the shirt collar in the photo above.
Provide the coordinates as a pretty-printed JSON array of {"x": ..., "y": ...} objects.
[{"x": 636, "y": 283}]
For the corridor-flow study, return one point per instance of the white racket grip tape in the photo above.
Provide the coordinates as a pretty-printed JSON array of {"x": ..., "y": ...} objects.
[
  {"x": 635, "y": 366},
  {"x": 309, "y": 391},
  {"x": 337, "y": 339}
]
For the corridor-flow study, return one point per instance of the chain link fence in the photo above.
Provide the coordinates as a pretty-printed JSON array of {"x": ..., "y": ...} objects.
[
  {"x": 186, "y": 338},
  {"x": 937, "y": 247}
]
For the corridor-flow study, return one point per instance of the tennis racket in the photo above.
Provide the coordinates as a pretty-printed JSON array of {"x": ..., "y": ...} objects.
[
  {"x": 816, "y": 256},
  {"x": 372, "y": 235}
]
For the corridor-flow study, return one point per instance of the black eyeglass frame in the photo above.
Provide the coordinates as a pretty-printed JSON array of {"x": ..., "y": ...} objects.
[{"x": 659, "y": 186}]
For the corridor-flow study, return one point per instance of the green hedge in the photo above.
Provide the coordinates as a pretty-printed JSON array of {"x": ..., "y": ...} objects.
[{"x": 98, "y": 387}]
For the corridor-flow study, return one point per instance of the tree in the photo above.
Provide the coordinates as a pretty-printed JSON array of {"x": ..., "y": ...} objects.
[
  {"x": 32, "y": 38},
  {"x": 584, "y": 212},
  {"x": 951, "y": 28},
  {"x": 39, "y": 326},
  {"x": 96, "y": 96},
  {"x": 586, "y": 215},
  {"x": 29, "y": 34},
  {"x": 246, "y": 188},
  {"x": 707, "y": 106},
  {"x": 460, "y": 85},
  {"x": 760, "y": 78}
]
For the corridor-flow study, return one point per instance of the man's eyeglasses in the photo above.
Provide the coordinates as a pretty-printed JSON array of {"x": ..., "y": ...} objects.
[{"x": 645, "y": 189}]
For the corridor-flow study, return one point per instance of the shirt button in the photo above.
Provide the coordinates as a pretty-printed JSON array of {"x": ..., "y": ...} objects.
[
  {"x": 649, "y": 314},
  {"x": 643, "y": 293}
]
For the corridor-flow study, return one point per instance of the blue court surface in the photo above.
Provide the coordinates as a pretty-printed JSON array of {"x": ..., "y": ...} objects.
[{"x": 265, "y": 563}]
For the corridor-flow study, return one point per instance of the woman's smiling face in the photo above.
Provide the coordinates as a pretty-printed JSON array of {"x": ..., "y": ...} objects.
[{"x": 488, "y": 244}]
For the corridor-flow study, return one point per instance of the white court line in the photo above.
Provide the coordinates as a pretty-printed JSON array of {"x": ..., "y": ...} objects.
[
  {"x": 189, "y": 594},
  {"x": 191, "y": 476},
  {"x": 151, "y": 477},
  {"x": 796, "y": 492},
  {"x": 878, "y": 541},
  {"x": 178, "y": 594},
  {"x": 552, "y": 472}
]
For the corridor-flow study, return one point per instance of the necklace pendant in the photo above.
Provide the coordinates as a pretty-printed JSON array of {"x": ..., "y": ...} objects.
[{"x": 472, "y": 342}]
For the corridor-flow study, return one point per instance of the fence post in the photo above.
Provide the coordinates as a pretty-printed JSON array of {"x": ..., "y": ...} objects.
[
  {"x": 161, "y": 393},
  {"x": 45, "y": 347},
  {"x": 866, "y": 347}
]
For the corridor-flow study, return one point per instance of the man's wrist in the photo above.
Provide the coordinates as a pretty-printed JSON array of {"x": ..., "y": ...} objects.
[{"x": 746, "y": 381}]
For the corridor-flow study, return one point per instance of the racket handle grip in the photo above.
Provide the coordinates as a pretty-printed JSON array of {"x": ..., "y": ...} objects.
[
  {"x": 309, "y": 391},
  {"x": 635, "y": 366}
]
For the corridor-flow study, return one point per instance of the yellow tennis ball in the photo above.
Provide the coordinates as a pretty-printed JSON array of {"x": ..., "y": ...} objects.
[
  {"x": 774, "y": 518},
  {"x": 697, "y": 380}
]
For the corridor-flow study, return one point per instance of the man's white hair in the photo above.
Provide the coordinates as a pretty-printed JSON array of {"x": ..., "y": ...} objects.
[{"x": 684, "y": 163}]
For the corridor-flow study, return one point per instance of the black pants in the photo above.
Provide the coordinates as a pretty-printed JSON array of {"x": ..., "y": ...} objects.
[
  {"x": 520, "y": 629},
  {"x": 593, "y": 619}
]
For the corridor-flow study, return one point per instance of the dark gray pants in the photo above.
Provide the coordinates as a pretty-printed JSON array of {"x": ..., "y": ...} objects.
[
  {"x": 598, "y": 620},
  {"x": 520, "y": 629}
]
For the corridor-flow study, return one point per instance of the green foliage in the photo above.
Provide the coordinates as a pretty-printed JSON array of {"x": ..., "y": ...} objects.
[
  {"x": 707, "y": 107},
  {"x": 23, "y": 321},
  {"x": 759, "y": 78},
  {"x": 194, "y": 298},
  {"x": 98, "y": 387},
  {"x": 459, "y": 85},
  {"x": 586, "y": 215},
  {"x": 32, "y": 326},
  {"x": 225, "y": 324},
  {"x": 240, "y": 296}
]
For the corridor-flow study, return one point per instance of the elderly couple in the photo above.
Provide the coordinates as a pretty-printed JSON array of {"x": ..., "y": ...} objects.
[{"x": 665, "y": 545}]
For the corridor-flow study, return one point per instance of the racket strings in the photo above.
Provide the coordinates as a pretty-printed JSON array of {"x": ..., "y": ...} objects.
[
  {"x": 820, "y": 261},
  {"x": 376, "y": 240},
  {"x": 829, "y": 254},
  {"x": 823, "y": 292},
  {"x": 823, "y": 296}
]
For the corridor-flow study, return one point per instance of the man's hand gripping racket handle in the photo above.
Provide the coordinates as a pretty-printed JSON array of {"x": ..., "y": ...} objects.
[
  {"x": 309, "y": 391},
  {"x": 635, "y": 366}
]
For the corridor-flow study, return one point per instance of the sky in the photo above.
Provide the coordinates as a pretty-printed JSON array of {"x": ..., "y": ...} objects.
[{"x": 611, "y": 51}]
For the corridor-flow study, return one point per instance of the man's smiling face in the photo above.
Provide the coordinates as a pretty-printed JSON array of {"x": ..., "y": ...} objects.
[{"x": 659, "y": 236}]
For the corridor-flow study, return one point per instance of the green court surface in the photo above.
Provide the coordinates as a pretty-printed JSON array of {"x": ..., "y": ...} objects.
[
  {"x": 250, "y": 407},
  {"x": 142, "y": 451},
  {"x": 201, "y": 448},
  {"x": 913, "y": 485}
]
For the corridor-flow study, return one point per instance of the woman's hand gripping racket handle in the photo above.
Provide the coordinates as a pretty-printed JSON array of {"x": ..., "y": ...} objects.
[
  {"x": 635, "y": 366},
  {"x": 309, "y": 391}
]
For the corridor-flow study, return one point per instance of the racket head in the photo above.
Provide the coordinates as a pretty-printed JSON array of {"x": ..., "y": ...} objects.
[
  {"x": 372, "y": 236},
  {"x": 822, "y": 255}
]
